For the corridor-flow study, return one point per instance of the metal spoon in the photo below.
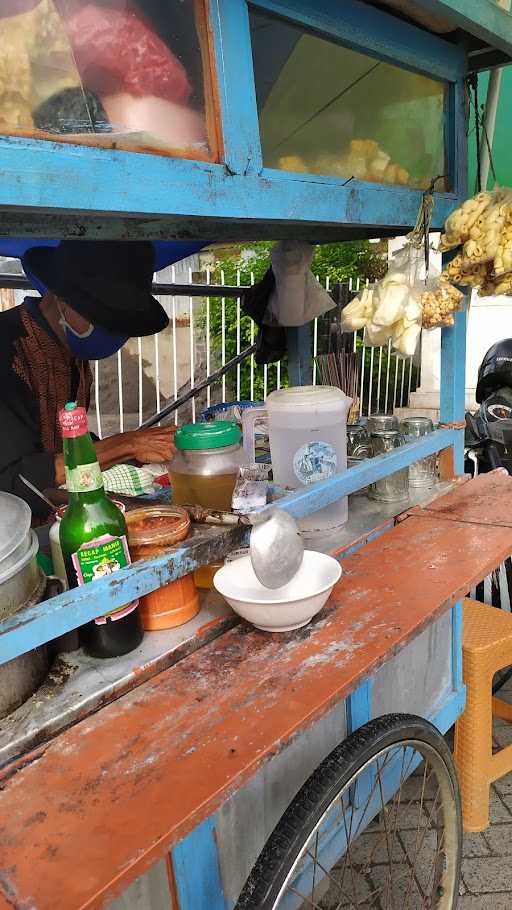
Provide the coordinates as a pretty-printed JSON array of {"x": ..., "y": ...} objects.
[
  {"x": 276, "y": 547},
  {"x": 37, "y": 492}
]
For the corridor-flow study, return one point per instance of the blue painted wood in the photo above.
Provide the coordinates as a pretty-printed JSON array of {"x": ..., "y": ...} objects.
[
  {"x": 196, "y": 869},
  {"x": 453, "y": 382},
  {"x": 53, "y": 176},
  {"x": 482, "y": 18},
  {"x": 300, "y": 366},
  {"x": 359, "y": 706},
  {"x": 237, "y": 94},
  {"x": 375, "y": 32},
  {"x": 43, "y": 622},
  {"x": 457, "y": 629},
  {"x": 450, "y": 710},
  {"x": 36, "y": 625},
  {"x": 309, "y": 499}
]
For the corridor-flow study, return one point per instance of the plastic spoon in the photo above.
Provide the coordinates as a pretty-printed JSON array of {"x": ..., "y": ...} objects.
[{"x": 276, "y": 547}]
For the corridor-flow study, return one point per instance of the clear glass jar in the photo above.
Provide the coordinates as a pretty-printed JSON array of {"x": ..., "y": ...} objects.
[
  {"x": 423, "y": 473},
  {"x": 395, "y": 487},
  {"x": 358, "y": 440}
]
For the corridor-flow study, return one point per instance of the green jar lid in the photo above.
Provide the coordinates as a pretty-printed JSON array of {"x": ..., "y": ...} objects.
[{"x": 213, "y": 434}]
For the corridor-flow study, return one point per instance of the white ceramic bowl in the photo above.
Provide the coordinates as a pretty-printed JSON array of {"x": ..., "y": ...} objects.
[{"x": 280, "y": 609}]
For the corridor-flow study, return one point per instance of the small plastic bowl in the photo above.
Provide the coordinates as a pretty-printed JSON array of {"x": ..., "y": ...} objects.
[
  {"x": 282, "y": 609},
  {"x": 157, "y": 526}
]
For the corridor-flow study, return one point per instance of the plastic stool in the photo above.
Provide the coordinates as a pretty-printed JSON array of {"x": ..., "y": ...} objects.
[{"x": 486, "y": 648}]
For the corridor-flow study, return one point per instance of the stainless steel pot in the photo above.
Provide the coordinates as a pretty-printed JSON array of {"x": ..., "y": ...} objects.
[
  {"x": 22, "y": 584},
  {"x": 19, "y": 678}
]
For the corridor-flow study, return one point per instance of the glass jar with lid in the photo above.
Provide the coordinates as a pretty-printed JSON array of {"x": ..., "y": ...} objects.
[
  {"x": 205, "y": 467},
  {"x": 395, "y": 487},
  {"x": 423, "y": 473}
]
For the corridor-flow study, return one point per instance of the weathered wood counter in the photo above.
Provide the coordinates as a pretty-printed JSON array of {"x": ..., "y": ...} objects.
[{"x": 93, "y": 809}]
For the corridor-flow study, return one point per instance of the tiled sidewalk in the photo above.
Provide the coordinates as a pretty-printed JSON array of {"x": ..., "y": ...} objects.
[{"x": 487, "y": 865}]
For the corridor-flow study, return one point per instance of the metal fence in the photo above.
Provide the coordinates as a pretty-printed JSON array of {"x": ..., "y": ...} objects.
[{"x": 203, "y": 334}]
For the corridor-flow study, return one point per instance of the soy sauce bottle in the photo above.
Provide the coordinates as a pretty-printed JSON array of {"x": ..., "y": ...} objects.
[{"x": 93, "y": 538}]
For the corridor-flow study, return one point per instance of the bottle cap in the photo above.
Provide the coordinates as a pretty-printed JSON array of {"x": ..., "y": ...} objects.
[{"x": 73, "y": 421}]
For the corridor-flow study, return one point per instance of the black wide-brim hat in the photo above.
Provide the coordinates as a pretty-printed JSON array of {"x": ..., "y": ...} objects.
[{"x": 107, "y": 282}]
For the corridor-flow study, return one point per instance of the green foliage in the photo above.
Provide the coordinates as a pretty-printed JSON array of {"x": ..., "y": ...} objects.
[{"x": 333, "y": 262}]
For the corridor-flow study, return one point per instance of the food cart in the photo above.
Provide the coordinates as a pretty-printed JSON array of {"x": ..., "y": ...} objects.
[{"x": 161, "y": 783}]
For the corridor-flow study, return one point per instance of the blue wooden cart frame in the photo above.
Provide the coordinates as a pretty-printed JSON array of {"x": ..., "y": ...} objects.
[
  {"x": 40, "y": 178},
  {"x": 68, "y": 190}
]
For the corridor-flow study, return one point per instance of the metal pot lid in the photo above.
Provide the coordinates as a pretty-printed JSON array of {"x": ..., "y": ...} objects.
[{"x": 15, "y": 521}]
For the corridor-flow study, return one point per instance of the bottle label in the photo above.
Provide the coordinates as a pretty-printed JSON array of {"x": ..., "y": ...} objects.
[
  {"x": 84, "y": 478},
  {"x": 99, "y": 558},
  {"x": 314, "y": 461},
  {"x": 73, "y": 423}
]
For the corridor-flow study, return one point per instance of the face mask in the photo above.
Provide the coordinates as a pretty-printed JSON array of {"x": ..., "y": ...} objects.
[{"x": 94, "y": 344}]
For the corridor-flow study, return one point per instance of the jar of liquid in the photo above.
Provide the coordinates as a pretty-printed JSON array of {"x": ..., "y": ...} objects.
[
  {"x": 423, "y": 473},
  {"x": 205, "y": 467},
  {"x": 395, "y": 487}
]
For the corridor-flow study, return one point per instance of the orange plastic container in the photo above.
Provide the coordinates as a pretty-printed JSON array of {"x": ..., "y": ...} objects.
[
  {"x": 170, "y": 606},
  {"x": 148, "y": 529},
  {"x": 203, "y": 576}
]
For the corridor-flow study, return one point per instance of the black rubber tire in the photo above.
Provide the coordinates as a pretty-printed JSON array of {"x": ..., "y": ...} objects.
[{"x": 335, "y": 772}]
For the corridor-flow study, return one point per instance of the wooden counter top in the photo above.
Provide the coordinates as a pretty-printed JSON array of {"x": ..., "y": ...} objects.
[{"x": 106, "y": 799}]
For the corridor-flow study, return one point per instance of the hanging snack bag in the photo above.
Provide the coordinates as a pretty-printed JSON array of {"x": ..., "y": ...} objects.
[
  {"x": 485, "y": 233},
  {"x": 458, "y": 225},
  {"x": 359, "y": 311},
  {"x": 457, "y": 272},
  {"x": 439, "y": 301},
  {"x": 503, "y": 255}
]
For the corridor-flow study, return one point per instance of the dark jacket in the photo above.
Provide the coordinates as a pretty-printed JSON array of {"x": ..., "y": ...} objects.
[{"x": 21, "y": 448}]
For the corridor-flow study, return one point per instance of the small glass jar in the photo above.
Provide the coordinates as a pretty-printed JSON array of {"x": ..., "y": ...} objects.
[
  {"x": 382, "y": 423},
  {"x": 205, "y": 467},
  {"x": 357, "y": 440},
  {"x": 394, "y": 488},
  {"x": 423, "y": 473}
]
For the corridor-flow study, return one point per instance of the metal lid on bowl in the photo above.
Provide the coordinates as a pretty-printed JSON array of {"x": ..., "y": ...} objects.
[
  {"x": 15, "y": 520},
  {"x": 213, "y": 434}
]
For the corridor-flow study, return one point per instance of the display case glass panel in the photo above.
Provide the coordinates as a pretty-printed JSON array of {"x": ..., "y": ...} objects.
[
  {"x": 133, "y": 75},
  {"x": 326, "y": 109}
]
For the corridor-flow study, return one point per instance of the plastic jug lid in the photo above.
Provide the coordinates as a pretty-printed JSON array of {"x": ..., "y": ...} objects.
[
  {"x": 318, "y": 397},
  {"x": 15, "y": 519},
  {"x": 214, "y": 434}
]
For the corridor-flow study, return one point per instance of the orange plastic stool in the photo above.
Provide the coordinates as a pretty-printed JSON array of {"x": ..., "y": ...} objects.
[{"x": 486, "y": 648}]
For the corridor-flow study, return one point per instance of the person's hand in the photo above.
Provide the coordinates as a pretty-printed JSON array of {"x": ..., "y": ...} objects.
[{"x": 153, "y": 446}]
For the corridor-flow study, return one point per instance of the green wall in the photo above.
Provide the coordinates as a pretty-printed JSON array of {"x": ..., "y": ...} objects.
[{"x": 502, "y": 146}]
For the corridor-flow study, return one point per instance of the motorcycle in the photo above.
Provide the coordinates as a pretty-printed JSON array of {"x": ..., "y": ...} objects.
[{"x": 488, "y": 445}]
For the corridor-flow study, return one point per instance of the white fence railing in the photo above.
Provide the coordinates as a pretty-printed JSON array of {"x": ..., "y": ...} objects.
[{"x": 205, "y": 333}]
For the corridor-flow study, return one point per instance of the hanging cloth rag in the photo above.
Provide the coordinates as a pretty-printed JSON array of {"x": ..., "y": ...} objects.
[
  {"x": 287, "y": 295},
  {"x": 297, "y": 297}
]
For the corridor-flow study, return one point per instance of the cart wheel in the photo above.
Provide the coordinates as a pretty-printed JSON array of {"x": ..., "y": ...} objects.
[{"x": 378, "y": 825}]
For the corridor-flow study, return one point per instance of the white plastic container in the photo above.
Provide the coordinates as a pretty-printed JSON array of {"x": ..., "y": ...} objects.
[{"x": 308, "y": 443}]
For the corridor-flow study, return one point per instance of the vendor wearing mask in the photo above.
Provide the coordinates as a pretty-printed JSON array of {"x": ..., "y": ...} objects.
[{"x": 99, "y": 295}]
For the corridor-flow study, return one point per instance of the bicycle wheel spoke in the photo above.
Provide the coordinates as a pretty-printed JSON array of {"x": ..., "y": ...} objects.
[
  {"x": 314, "y": 866},
  {"x": 389, "y": 882},
  {"x": 334, "y": 881},
  {"x": 385, "y": 835}
]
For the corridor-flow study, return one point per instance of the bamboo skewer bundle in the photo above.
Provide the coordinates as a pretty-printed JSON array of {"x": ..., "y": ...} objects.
[{"x": 342, "y": 370}]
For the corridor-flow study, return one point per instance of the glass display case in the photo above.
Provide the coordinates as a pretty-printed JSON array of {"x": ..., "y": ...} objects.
[
  {"x": 118, "y": 74},
  {"x": 326, "y": 109}
]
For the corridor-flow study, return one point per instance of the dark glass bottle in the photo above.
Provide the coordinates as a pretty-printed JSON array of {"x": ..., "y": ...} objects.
[{"x": 93, "y": 538}]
